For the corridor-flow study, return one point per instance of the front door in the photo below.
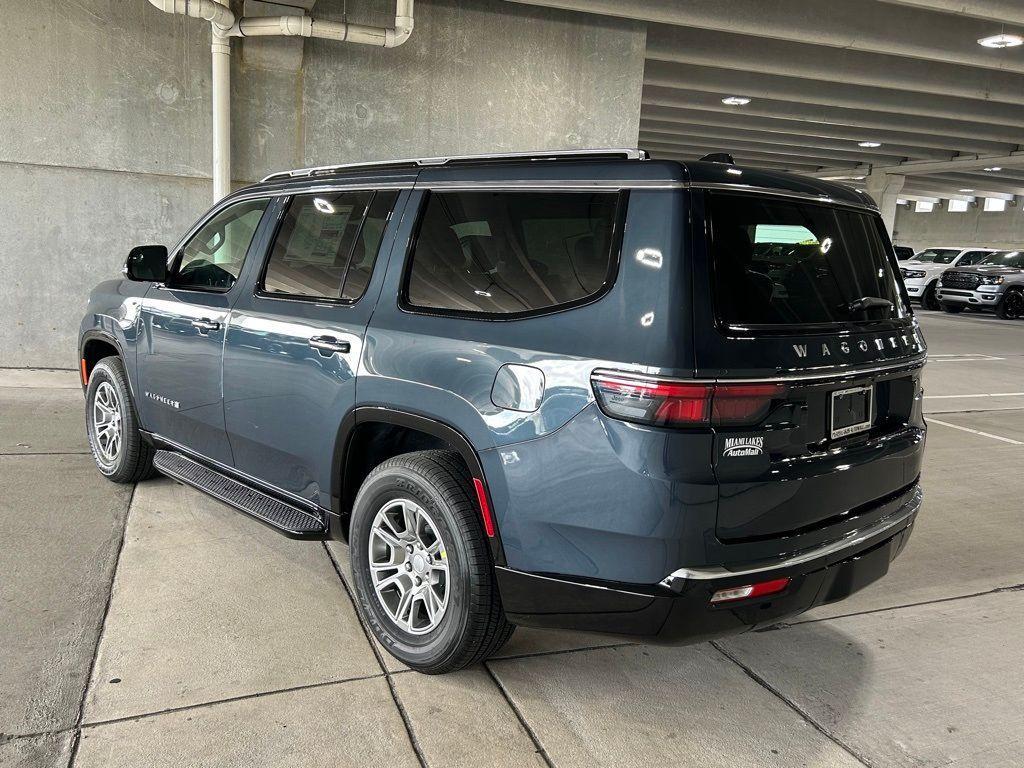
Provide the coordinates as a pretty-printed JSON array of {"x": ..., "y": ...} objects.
[
  {"x": 183, "y": 324},
  {"x": 294, "y": 343}
]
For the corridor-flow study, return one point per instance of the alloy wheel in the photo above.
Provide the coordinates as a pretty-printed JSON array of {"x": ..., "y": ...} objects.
[
  {"x": 409, "y": 566},
  {"x": 106, "y": 424}
]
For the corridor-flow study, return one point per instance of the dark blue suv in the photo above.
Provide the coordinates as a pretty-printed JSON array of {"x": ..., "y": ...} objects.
[{"x": 582, "y": 390}]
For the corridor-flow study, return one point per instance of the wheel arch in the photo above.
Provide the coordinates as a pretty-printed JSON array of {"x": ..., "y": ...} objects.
[
  {"x": 93, "y": 347},
  {"x": 370, "y": 435}
]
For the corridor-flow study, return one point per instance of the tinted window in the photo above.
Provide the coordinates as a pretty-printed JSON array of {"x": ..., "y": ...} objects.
[
  {"x": 213, "y": 258},
  {"x": 312, "y": 248},
  {"x": 512, "y": 252},
  {"x": 784, "y": 262},
  {"x": 364, "y": 251}
]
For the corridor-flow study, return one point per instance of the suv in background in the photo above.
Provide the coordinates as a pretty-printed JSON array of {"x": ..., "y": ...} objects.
[
  {"x": 995, "y": 282},
  {"x": 580, "y": 390},
  {"x": 921, "y": 274}
]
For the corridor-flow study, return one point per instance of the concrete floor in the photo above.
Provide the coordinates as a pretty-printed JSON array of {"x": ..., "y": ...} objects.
[{"x": 156, "y": 627}]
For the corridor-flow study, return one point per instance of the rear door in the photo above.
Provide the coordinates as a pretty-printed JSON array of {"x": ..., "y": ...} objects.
[
  {"x": 295, "y": 338},
  {"x": 182, "y": 331},
  {"x": 803, "y": 296}
]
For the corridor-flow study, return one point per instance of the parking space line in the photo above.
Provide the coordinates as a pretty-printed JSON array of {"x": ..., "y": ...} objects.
[
  {"x": 976, "y": 432},
  {"x": 985, "y": 394}
]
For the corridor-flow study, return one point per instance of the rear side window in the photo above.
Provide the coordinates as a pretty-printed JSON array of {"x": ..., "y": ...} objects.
[
  {"x": 779, "y": 262},
  {"x": 324, "y": 239},
  {"x": 513, "y": 253}
]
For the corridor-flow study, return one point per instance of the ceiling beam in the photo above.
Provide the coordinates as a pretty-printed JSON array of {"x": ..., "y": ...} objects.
[
  {"x": 771, "y": 126},
  {"x": 854, "y": 155},
  {"x": 829, "y": 93},
  {"x": 746, "y": 53},
  {"x": 1006, "y": 11},
  {"x": 991, "y": 183},
  {"x": 670, "y": 97},
  {"x": 738, "y": 134},
  {"x": 914, "y": 32},
  {"x": 969, "y": 163}
]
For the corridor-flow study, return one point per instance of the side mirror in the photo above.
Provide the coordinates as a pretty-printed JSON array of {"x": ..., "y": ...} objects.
[{"x": 147, "y": 263}]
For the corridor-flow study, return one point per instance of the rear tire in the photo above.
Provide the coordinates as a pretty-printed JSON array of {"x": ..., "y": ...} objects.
[
  {"x": 1011, "y": 306},
  {"x": 928, "y": 300},
  {"x": 953, "y": 309},
  {"x": 421, "y": 564},
  {"x": 112, "y": 425}
]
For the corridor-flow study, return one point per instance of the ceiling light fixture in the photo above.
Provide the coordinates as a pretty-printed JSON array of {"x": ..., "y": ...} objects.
[
  {"x": 965, "y": 190},
  {"x": 1001, "y": 41},
  {"x": 993, "y": 168},
  {"x": 869, "y": 144},
  {"x": 735, "y": 101}
]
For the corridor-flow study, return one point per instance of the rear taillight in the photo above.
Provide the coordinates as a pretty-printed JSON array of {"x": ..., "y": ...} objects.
[
  {"x": 648, "y": 401},
  {"x": 666, "y": 403}
]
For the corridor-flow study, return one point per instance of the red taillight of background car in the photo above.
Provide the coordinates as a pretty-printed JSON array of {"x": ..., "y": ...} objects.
[{"x": 669, "y": 403}]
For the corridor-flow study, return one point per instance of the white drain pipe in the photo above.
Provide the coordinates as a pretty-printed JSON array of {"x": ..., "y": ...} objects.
[{"x": 224, "y": 26}]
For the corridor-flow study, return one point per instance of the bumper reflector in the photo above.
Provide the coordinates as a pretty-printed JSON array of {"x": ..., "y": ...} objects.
[{"x": 761, "y": 589}]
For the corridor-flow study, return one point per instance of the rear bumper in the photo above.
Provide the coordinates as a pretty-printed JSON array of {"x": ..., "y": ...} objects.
[{"x": 679, "y": 610}]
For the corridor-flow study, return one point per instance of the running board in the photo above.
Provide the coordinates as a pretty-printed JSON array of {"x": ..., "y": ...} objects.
[{"x": 285, "y": 518}]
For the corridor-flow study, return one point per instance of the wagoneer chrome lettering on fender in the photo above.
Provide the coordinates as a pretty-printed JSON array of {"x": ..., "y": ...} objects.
[{"x": 581, "y": 390}]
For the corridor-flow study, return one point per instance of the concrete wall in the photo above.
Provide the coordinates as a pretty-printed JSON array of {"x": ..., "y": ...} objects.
[
  {"x": 1003, "y": 229},
  {"x": 105, "y": 122}
]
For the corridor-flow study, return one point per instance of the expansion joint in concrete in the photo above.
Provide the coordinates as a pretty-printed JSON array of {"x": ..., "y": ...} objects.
[{"x": 792, "y": 705}]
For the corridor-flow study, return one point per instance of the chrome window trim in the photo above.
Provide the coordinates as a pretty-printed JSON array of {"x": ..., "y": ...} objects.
[
  {"x": 547, "y": 185},
  {"x": 811, "y": 375},
  {"x": 851, "y": 540}
]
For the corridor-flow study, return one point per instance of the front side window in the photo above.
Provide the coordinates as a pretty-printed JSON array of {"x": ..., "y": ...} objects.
[
  {"x": 212, "y": 260},
  {"x": 789, "y": 263},
  {"x": 509, "y": 253}
]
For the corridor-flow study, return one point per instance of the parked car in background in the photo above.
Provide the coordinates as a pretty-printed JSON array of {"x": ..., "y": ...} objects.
[
  {"x": 921, "y": 274},
  {"x": 903, "y": 252},
  {"x": 574, "y": 390},
  {"x": 996, "y": 282}
]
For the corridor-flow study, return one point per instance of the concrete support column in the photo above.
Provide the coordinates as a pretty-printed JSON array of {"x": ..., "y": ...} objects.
[{"x": 885, "y": 188}]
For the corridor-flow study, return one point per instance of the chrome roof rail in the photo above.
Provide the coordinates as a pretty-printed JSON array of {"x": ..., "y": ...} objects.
[{"x": 419, "y": 162}]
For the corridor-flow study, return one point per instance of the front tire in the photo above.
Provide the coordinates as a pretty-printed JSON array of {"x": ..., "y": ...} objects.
[
  {"x": 112, "y": 425},
  {"x": 928, "y": 300},
  {"x": 953, "y": 309},
  {"x": 421, "y": 564},
  {"x": 1011, "y": 306}
]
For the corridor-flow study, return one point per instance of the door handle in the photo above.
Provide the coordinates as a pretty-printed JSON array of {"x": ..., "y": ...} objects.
[
  {"x": 328, "y": 345},
  {"x": 205, "y": 325}
]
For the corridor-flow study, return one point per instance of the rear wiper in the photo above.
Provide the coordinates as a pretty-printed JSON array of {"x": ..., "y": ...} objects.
[{"x": 865, "y": 303}]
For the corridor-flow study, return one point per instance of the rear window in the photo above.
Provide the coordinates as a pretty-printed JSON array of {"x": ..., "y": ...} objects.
[
  {"x": 512, "y": 253},
  {"x": 781, "y": 262}
]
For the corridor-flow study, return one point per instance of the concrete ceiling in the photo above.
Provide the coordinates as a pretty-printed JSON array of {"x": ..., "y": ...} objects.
[{"x": 823, "y": 76}]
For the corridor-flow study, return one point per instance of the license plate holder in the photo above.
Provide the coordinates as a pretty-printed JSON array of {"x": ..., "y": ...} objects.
[{"x": 851, "y": 411}]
